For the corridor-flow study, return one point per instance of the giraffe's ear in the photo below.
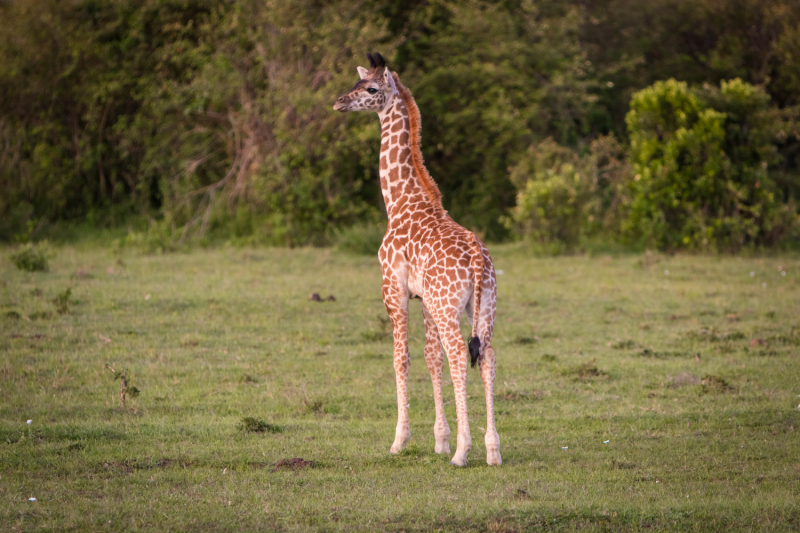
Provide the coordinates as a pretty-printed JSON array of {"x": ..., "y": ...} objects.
[
  {"x": 388, "y": 79},
  {"x": 362, "y": 72}
]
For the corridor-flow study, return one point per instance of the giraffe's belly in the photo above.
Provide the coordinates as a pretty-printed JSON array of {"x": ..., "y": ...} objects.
[
  {"x": 414, "y": 282},
  {"x": 404, "y": 265}
]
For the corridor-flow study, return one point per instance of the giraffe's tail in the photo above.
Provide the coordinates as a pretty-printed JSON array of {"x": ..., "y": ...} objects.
[{"x": 477, "y": 265}]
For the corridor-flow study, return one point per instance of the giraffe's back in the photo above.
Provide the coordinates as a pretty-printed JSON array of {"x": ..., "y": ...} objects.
[{"x": 436, "y": 260}]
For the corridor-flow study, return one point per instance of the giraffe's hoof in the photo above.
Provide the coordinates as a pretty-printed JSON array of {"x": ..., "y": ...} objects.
[
  {"x": 459, "y": 459},
  {"x": 492, "y": 442},
  {"x": 442, "y": 442},
  {"x": 401, "y": 438},
  {"x": 398, "y": 446},
  {"x": 493, "y": 457}
]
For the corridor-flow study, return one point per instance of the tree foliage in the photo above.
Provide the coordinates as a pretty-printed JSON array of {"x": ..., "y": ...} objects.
[
  {"x": 213, "y": 119},
  {"x": 213, "y": 115},
  {"x": 701, "y": 160},
  {"x": 522, "y": 78}
]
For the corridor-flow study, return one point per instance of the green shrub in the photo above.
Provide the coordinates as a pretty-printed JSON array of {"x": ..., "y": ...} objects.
[
  {"x": 62, "y": 301},
  {"x": 551, "y": 198},
  {"x": 32, "y": 257},
  {"x": 551, "y": 207},
  {"x": 700, "y": 158},
  {"x": 160, "y": 237},
  {"x": 564, "y": 199},
  {"x": 256, "y": 425},
  {"x": 361, "y": 239}
]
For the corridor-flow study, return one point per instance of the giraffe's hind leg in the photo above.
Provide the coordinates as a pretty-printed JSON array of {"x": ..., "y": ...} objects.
[
  {"x": 457, "y": 357},
  {"x": 487, "y": 365},
  {"x": 492, "y": 439},
  {"x": 435, "y": 361}
]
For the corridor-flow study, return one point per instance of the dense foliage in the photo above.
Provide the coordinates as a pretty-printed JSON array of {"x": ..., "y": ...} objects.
[
  {"x": 565, "y": 200},
  {"x": 213, "y": 118},
  {"x": 701, "y": 168}
]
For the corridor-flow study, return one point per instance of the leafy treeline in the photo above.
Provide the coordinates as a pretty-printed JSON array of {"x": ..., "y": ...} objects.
[{"x": 551, "y": 120}]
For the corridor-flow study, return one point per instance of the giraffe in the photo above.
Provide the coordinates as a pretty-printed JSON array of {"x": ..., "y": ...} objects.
[{"x": 425, "y": 255}]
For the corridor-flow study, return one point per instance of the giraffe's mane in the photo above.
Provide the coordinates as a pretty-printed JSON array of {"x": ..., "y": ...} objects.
[{"x": 415, "y": 123}]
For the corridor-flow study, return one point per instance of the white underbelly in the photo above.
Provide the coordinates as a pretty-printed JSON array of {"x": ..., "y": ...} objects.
[{"x": 414, "y": 283}]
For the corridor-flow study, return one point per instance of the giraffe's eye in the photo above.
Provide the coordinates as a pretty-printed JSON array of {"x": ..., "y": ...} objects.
[{"x": 372, "y": 90}]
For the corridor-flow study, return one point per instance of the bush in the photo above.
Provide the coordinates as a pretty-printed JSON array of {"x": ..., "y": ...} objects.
[
  {"x": 564, "y": 199},
  {"x": 700, "y": 158},
  {"x": 361, "y": 239},
  {"x": 32, "y": 257},
  {"x": 160, "y": 237},
  {"x": 551, "y": 208},
  {"x": 256, "y": 425}
]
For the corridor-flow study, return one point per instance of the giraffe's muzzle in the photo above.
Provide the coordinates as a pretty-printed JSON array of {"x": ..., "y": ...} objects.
[{"x": 341, "y": 104}]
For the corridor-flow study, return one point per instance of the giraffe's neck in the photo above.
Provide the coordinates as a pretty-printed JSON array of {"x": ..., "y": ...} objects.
[{"x": 401, "y": 186}]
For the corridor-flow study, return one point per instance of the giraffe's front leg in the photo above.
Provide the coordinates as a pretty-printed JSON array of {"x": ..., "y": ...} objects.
[
  {"x": 397, "y": 305},
  {"x": 435, "y": 361}
]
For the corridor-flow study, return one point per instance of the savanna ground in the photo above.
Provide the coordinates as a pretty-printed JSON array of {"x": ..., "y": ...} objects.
[{"x": 633, "y": 392}]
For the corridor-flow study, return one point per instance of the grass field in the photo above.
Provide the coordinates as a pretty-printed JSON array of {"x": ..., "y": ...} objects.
[{"x": 633, "y": 392}]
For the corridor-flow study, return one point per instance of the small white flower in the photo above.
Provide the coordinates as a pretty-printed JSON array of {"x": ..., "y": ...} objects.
[
  {"x": 499, "y": 272},
  {"x": 31, "y": 499},
  {"x": 783, "y": 272},
  {"x": 764, "y": 285},
  {"x": 606, "y": 441},
  {"x": 409, "y": 405},
  {"x": 30, "y": 422},
  {"x": 752, "y": 274},
  {"x": 666, "y": 272}
]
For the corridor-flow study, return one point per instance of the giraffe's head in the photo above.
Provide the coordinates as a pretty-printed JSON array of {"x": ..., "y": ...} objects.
[{"x": 372, "y": 92}]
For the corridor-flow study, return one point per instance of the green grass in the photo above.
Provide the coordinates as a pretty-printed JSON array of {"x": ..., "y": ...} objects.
[{"x": 239, "y": 373}]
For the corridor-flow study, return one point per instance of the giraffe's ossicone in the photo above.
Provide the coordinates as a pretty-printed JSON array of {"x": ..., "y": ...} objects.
[{"x": 426, "y": 255}]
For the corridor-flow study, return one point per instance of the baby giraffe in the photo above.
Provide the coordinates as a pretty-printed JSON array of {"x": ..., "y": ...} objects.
[{"x": 426, "y": 255}]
